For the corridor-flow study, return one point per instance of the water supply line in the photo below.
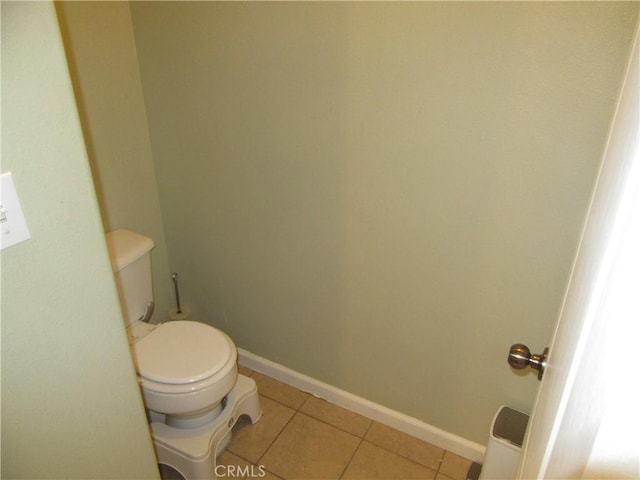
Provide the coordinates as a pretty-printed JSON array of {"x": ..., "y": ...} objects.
[{"x": 174, "y": 277}]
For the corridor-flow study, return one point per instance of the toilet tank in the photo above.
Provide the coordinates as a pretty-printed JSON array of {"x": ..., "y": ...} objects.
[{"x": 130, "y": 255}]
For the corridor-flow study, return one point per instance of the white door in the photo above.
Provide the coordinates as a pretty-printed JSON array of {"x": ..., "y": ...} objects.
[{"x": 586, "y": 421}]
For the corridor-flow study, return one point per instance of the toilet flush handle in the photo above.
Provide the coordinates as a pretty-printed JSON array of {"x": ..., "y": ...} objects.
[{"x": 148, "y": 311}]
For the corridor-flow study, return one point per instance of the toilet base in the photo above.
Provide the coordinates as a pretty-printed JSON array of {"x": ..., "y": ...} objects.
[{"x": 192, "y": 452}]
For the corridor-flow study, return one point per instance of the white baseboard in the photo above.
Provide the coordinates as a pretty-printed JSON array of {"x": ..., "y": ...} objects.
[{"x": 399, "y": 421}]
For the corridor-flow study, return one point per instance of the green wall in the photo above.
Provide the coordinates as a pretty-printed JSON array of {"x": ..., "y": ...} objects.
[
  {"x": 71, "y": 407},
  {"x": 102, "y": 59},
  {"x": 383, "y": 196}
]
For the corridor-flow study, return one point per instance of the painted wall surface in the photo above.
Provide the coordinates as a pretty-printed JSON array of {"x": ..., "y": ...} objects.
[
  {"x": 102, "y": 56},
  {"x": 383, "y": 196},
  {"x": 71, "y": 407}
]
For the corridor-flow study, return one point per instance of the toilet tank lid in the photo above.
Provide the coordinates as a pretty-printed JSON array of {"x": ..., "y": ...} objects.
[{"x": 125, "y": 247}]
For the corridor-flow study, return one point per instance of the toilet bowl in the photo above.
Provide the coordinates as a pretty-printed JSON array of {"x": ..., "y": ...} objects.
[
  {"x": 193, "y": 393},
  {"x": 185, "y": 370}
]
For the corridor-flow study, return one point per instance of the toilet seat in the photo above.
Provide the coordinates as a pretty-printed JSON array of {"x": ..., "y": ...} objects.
[{"x": 183, "y": 356}]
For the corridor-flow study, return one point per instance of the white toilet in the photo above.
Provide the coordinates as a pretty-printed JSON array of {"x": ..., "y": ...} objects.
[{"x": 187, "y": 370}]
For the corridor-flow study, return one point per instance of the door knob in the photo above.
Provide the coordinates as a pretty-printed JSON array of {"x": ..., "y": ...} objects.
[{"x": 520, "y": 357}]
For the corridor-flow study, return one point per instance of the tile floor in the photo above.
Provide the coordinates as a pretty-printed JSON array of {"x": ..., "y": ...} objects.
[{"x": 302, "y": 437}]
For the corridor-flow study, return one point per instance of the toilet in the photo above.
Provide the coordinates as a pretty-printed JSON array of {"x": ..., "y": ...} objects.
[{"x": 187, "y": 371}]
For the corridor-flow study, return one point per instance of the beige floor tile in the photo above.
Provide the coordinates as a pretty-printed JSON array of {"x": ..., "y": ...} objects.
[
  {"x": 337, "y": 416},
  {"x": 323, "y": 441},
  {"x": 371, "y": 462},
  {"x": 405, "y": 445},
  {"x": 441, "y": 476},
  {"x": 271, "y": 476},
  {"x": 251, "y": 441},
  {"x": 454, "y": 466},
  {"x": 278, "y": 391},
  {"x": 309, "y": 449},
  {"x": 247, "y": 372}
]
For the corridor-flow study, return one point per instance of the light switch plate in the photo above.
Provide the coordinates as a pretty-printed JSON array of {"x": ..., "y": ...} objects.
[{"x": 13, "y": 227}]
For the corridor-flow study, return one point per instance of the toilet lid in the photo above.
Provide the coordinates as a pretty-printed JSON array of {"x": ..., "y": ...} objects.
[{"x": 182, "y": 352}]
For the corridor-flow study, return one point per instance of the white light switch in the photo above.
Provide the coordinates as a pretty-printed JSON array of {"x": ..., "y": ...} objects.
[{"x": 13, "y": 227}]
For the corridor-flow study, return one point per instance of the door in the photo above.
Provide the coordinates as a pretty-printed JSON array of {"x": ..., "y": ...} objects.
[{"x": 585, "y": 423}]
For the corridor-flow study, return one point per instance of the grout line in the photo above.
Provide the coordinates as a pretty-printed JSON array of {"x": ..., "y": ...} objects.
[
  {"x": 330, "y": 425},
  {"x": 405, "y": 457},
  {"x": 440, "y": 462},
  {"x": 362, "y": 439},
  {"x": 368, "y": 428},
  {"x": 309, "y": 395},
  {"x": 305, "y": 402},
  {"x": 344, "y": 470},
  {"x": 276, "y": 438}
]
